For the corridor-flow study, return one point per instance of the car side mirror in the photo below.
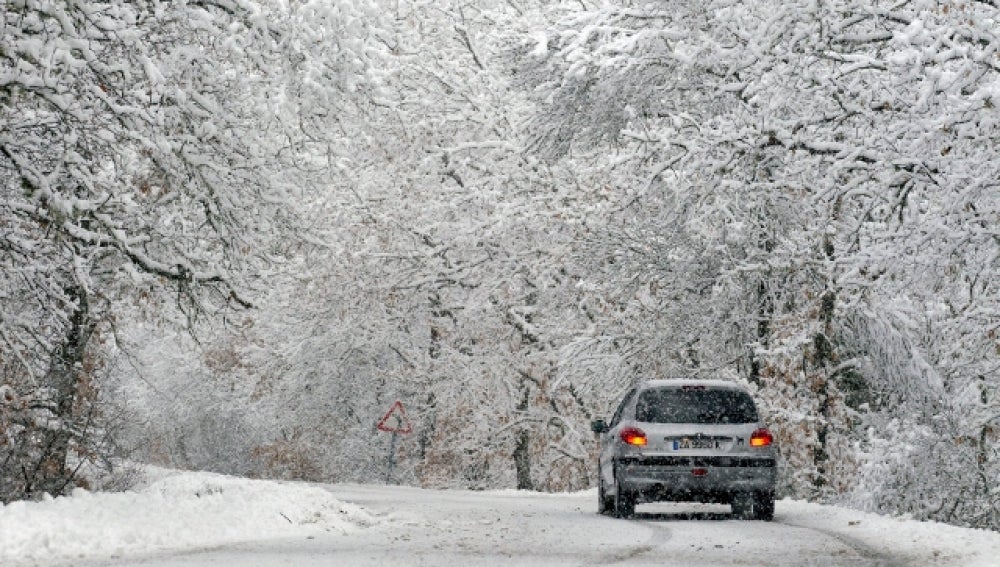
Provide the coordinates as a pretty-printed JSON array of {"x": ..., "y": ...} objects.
[{"x": 598, "y": 426}]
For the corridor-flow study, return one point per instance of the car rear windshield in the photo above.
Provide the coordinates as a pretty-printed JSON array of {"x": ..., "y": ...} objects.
[{"x": 695, "y": 405}]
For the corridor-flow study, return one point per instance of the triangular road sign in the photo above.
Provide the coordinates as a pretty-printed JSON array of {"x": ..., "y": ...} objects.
[{"x": 400, "y": 423}]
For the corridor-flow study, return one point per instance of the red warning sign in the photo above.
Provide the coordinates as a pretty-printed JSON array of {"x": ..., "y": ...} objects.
[{"x": 395, "y": 420}]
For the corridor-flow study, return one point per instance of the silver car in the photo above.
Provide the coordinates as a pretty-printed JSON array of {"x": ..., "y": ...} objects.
[{"x": 687, "y": 440}]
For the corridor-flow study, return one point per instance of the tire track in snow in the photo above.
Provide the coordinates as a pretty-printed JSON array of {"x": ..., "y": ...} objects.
[
  {"x": 872, "y": 555},
  {"x": 659, "y": 536},
  {"x": 857, "y": 553}
]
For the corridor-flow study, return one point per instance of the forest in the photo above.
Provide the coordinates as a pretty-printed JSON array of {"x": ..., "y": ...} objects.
[{"x": 234, "y": 232}]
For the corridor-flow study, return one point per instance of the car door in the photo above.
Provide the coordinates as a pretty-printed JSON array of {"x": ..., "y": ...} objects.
[{"x": 609, "y": 441}]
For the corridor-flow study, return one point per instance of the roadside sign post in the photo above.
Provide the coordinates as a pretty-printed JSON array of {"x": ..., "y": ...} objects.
[{"x": 401, "y": 425}]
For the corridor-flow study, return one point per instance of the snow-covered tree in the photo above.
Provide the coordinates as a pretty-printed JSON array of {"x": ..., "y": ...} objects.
[
  {"x": 443, "y": 275},
  {"x": 506, "y": 212},
  {"x": 145, "y": 169},
  {"x": 827, "y": 173}
]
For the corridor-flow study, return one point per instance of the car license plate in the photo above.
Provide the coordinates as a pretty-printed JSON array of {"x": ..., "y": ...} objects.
[{"x": 696, "y": 443}]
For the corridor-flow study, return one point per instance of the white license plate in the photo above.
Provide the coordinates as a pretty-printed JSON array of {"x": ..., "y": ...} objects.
[{"x": 696, "y": 443}]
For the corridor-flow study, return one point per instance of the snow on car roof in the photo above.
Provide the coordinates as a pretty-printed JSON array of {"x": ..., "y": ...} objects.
[{"x": 680, "y": 383}]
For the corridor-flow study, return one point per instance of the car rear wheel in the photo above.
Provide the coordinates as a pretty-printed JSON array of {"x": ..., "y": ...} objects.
[
  {"x": 624, "y": 501},
  {"x": 753, "y": 505},
  {"x": 604, "y": 503},
  {"x": 742, "y": 504},
  {"x": 764, "y": 508}
]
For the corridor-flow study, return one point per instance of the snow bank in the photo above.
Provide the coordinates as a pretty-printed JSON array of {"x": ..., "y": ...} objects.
[
  {"x": 174, "y": 511},
  {"x": 914, "y": 542}
]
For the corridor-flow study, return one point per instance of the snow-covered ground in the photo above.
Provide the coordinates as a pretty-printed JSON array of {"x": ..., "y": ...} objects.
[
  {"x": 173, "y": 510},
  {"x": 184, "y": 518}
]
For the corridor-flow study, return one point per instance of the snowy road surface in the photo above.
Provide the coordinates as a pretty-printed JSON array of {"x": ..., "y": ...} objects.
[
  {"x": 199, "y": 519},
  {"x": 466, "y": 528}
]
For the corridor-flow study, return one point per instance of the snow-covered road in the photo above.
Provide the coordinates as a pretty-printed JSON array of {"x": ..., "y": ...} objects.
[
  {"x": 200, "y": 519},
  {"x": 466, "y": 528},
  {"x": 459, "y": 528}
]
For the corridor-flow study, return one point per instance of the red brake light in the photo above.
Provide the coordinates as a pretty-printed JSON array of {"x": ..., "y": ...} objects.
[
  {"x": 761, "y": 438},
  {"x": 633, "y": 436}
]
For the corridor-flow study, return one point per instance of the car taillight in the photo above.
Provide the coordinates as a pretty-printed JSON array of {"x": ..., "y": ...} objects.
[
  {"x": 633, "y": 436},
  {"x": 761, "y": 438}
]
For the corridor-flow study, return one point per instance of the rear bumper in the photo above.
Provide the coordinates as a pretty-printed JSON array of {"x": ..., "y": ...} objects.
[{"x": 693, "y": 478}]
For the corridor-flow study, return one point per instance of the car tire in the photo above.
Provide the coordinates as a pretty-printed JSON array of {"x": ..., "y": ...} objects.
[
  {"x": 604, "y": 504},
  {"x": 753, "y": 506},
  {"x": 624, "y": 501},
  {"x": 764, "y": 506},
  {"x": 743, "y": 505}
]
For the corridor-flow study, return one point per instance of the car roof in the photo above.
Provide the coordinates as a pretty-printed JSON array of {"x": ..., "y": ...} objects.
[{"x": 681, "y": 383}]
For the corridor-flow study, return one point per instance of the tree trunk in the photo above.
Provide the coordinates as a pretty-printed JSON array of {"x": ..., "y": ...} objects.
[
  {"x": 522, "y": 461},
  {"x": 66, "y": 377},
  {"x": 765, "y": 312},
  {"x": 823, "y": 359},
  {"x": 522, "y": 446}
]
